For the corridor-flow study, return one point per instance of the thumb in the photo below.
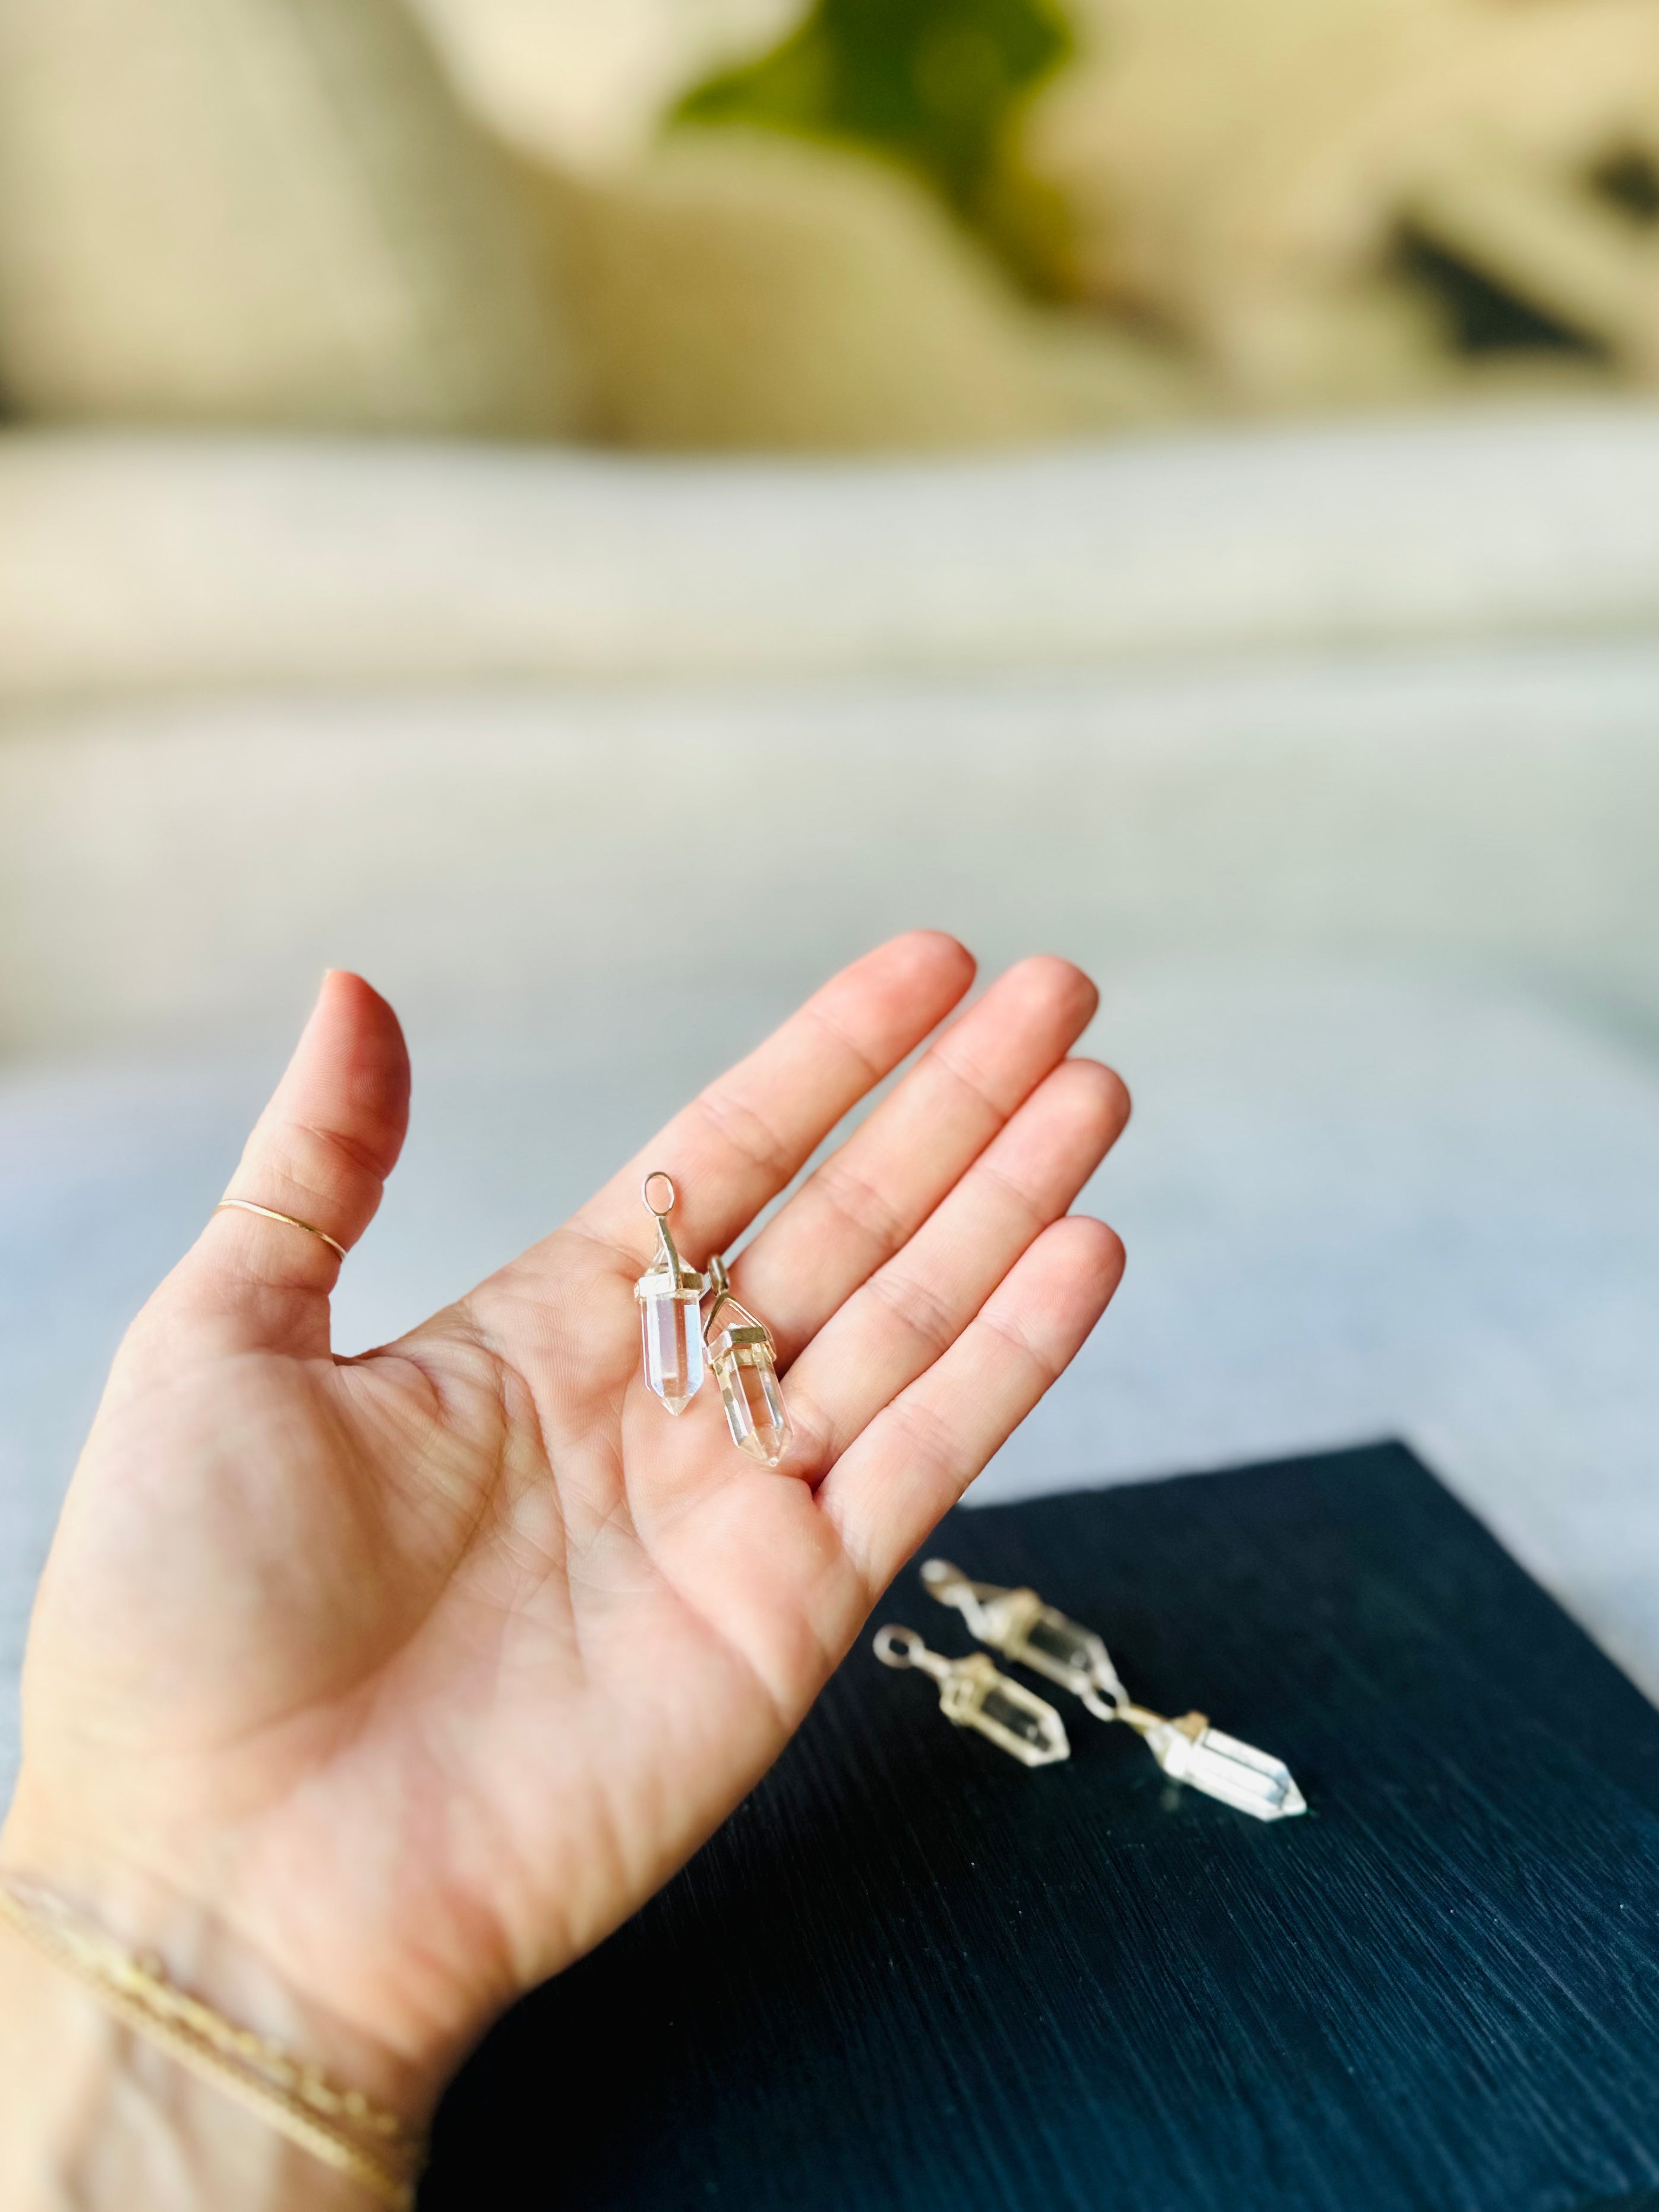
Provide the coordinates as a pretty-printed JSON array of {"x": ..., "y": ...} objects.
[{"x": 320, "y": 1153}]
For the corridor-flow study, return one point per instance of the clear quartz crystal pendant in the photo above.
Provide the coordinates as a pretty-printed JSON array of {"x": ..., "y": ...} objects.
[
  {"x": 670, "y": 1296},
  {"x": 1017, "y": 1623},
  {"x": 1189, "y": 1750},
  {"x": 973, "y": 1695},
  {"x": 745, "y": 1361}
]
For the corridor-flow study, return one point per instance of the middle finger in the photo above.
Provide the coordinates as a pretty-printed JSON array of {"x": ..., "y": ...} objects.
[
  {"x": 871, "y": 1195},
  {"x": 910, "y": 1313}
]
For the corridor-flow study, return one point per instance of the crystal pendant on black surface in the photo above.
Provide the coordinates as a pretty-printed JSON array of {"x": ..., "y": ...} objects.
[
  {"x": 1016, "y": 1623},
  {"x": 974, "y": 1695},
  {"x": 1189, "y": 1750}
]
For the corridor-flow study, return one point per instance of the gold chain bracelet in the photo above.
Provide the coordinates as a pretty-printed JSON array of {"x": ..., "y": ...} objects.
[{"x": 341, "y": 2127}]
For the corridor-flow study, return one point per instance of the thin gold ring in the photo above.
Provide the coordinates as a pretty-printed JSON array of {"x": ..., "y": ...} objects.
[{"x": 270, "y": 1213}]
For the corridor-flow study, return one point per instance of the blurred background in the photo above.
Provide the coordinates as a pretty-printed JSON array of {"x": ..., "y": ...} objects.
[{"x": 593, "y": 515}]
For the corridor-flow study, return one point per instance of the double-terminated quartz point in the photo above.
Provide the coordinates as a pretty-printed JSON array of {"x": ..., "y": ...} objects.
[{"x": 743, "y": 1357}]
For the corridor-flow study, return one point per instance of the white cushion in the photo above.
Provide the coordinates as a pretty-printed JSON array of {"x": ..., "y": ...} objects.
[
  {"x": 211, "y": 560},
  {"x": 184, "y": 868}
]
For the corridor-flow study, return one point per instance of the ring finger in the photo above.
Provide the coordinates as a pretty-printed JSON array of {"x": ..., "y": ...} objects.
[
  {"x": 875, "y": 1190},
  {"x": 913, "y": 1308}
]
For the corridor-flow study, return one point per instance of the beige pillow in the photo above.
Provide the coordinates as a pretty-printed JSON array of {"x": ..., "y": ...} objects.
[
  {"x": 264, "y": 212},
  {"x": 738, "y": 288}
]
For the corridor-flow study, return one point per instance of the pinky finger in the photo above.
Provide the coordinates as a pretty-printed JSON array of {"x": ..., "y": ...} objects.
[{"x": 891, "y": 1487}]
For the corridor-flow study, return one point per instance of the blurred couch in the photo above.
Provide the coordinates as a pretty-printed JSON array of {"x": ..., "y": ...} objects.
[{"x": 1375, "y": 689}]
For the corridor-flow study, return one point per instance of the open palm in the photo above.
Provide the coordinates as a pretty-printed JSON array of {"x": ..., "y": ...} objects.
[{"x": 420, "y": 1670}]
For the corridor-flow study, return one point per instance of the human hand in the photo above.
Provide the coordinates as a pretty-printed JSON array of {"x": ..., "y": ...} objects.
[{"x": 414, "y": 1674}]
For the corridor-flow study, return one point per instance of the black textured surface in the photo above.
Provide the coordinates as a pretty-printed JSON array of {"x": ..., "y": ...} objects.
[{"x": 911, "y": 1975}]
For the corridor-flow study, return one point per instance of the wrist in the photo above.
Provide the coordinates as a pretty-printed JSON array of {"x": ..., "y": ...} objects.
[
  {"x": 200, "y": 1950},
  {"x": 138, "y": 2034},
  {"x": 94, "y": 2118}
]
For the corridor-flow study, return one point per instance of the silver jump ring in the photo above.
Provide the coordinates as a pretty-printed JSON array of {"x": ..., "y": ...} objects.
[
  {"x": 1102, "y": 1705},
  {"x": 897, "y": 1646},
  {"x": 660, "y": 1174}
]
